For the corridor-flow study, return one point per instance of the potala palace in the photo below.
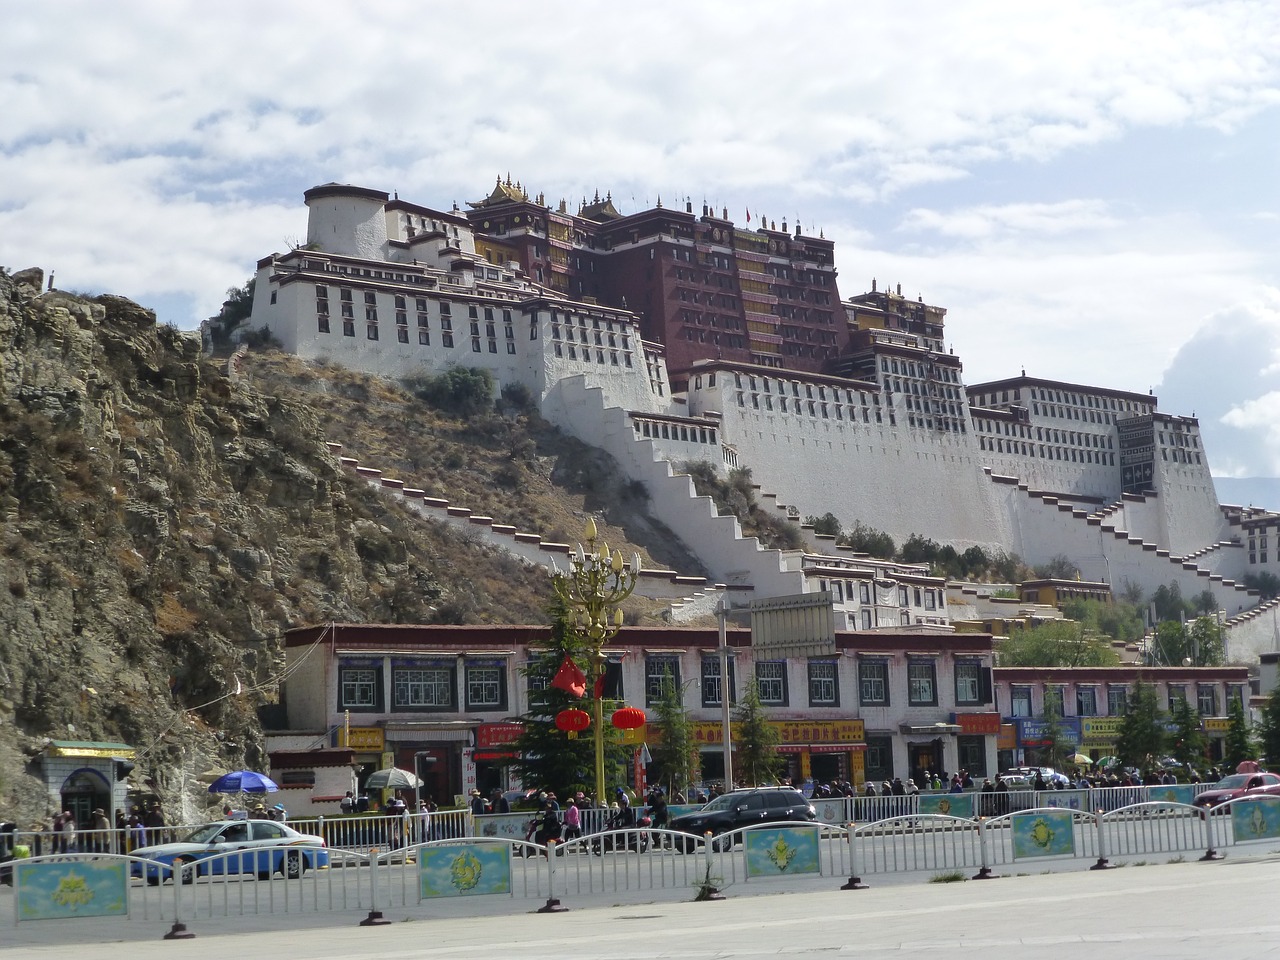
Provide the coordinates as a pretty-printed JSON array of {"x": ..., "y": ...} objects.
[{"x": 671, "y": 335}]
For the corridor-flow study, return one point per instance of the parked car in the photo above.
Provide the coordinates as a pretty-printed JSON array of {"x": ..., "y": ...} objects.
[
  {"x": 743, "y": 808},
  {"x": 1027, "y": 776},
  {"x": 269, "y": 847},
  {"x": 1239, "y": 785}
]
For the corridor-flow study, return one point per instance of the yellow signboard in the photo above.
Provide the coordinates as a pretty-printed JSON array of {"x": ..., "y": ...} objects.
[
  {"x": 1099, "y": 731},
  {"x": 800, "y": 732},
  {"x": 364, "y": 739},
  {"x": 1217, "y": 724}
]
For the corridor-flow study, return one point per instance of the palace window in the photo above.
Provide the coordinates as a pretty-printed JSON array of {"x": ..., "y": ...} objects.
[
  {"x": 771, "y": 681},
  {"x": 922, "y": 686},
  {"x": 873, "y": 681},
  {"x": 711, "y": 685},
  {"x": 657, "y": 669},
  {"x": 486, "y": 685},
  {"x": 423, "y": 686},
  {"x": 824, "y": 689}
]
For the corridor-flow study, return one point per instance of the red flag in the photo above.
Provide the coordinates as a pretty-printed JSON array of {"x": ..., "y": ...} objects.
[
  {"x": 570, "y": 679},
  {"x": 748, "y": 214}
]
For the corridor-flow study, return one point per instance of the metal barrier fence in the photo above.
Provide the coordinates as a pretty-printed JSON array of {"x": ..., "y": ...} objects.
[{"x": 234, "y": 883}]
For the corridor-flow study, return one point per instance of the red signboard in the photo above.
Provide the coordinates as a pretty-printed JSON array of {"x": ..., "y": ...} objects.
[
  {"x": 497, "y": 734},
  {"x": 987, "y": 724}
]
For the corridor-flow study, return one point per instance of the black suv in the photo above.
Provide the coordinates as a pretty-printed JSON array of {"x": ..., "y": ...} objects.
[{"x": 743, "y": 808}]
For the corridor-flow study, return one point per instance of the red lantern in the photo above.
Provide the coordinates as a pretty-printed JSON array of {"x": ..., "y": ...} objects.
[
  {"x": 628, "y": 718},
  {"x": 572, "y": 721}
]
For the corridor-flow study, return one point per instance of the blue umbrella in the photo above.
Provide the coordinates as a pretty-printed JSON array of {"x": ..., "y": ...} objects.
[{"x": 243, "y": 781}]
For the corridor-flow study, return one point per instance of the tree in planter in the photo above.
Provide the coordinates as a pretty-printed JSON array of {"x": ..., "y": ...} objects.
[
  {"x": 758, "y": 760},
  {"x": 1239, "y": 744},
  {"x": 1142, "y": 738},
  {"x": 546, "y": 757},
  {"x": 1189, "y": 741},
  {"x": 675, "y": 755},
  {"x": 1269, "y": 728}
]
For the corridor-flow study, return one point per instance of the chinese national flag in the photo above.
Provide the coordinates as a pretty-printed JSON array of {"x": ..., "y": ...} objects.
[
  {"x": 570, "y": 679},
  {"x": 748, "y": 214}
]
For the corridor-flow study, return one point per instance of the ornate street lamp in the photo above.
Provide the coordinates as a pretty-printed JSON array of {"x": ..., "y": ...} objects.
[{"x": 591, "y": 590}]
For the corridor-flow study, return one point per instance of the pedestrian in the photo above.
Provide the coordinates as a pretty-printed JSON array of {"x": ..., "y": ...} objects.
[
  {"x": 424, "y": 822},
  {"x": 478, "y": 806},
  {"x": 155, "y": 823},
  {"x": 58, "y": 841},
  {"x": 572, "y": 820},
  {"x": 100, "y": 840},
  {"x": 67, "y": 835},
  {"x": 498, "y": 801},
  {"x": 347, "y": 804}
]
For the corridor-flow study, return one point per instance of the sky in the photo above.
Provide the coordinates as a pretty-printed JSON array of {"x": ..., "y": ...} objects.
[{"x": 1090, "y": 189}]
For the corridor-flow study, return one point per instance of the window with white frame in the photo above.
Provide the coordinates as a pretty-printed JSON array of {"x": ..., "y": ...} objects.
[
  {"x": 1207, "y": 699},
  {"x": 922, "y": 681},
  {"x": 873, "y": 681},
  {"x": 771, "y": 681},
  {"x": 1117, "y": 699},
  {"x": 428, "y": 686},
  {"x": 486, "y": 685},
  {"x": 1020, "y": 701},
  {"x": 824, "y": 689},
  {"x": 359, "y": 687},
  {"x": 659, "y": 670},
  {"x": 1086, "y": 701},
  {"x": 711, "y": 685},
  {"x": 968, "y": 682}
]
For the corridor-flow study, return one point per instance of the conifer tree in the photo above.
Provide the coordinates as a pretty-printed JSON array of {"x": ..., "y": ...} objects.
[
  {"x": 547, "y": 757},
  {"x": 1269, "y": 728},
  {"x": 1142, "y": 738},
  {"x": 1189, "y": 741},
  {"x": 758, "y": 761},
  {"x": 1239, "y": 744},
  {"x": 675, "y": 755}
]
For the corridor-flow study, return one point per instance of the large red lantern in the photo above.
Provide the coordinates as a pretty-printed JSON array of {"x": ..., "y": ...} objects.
[
  {"x": 572, "y": 721},
  {"x": 628, "y": 718}
]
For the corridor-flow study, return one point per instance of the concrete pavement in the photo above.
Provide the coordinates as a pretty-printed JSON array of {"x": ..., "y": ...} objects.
[{"x": 1191, "y": 909}]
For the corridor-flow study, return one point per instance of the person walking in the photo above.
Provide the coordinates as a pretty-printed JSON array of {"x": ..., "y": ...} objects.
[{"x": 572, "y": 820}]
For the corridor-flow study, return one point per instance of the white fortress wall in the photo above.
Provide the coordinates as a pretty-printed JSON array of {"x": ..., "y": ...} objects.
[
  {"x": 729, "y": 557},
  {"x": 351, "y": 221},
  {"x": 1250, "y": 637},
  {"x": 1190, "y": 514},
  {"x": 1045, "y": 530},
  {"x": 891, "y": 477}
]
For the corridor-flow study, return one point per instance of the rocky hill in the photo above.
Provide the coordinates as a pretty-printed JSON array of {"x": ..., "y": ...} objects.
[{"x": 166, "y": 516}]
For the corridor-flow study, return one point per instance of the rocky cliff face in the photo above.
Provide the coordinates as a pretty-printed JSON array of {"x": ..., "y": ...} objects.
[{"x": 162, "y": 522}]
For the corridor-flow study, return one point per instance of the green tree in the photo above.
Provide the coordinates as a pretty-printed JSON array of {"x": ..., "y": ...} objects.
[
  {"x": 758, "y": 761},
  {"x": 546, "y": 756},
  {"x": 1205, "y": 602},
  {"x": 1189, "y": 741},
  {"x": 1269, "y": 727},
  {"x": 463, "y": 391},
  {"x": 1267, "y": 584},
  {"x": 826, "y": 525},
  {"x": 874, "y": 543},
  {"x": 1060, "y": 643},
  {"x": 676, "y": 753},
  {"x": 1142, "y": 738},
  {"x": 1059, "y": 567},
  {"x": 1239, "y": 744},
  {"x": 1196, "y": 644},
  {"x": 1053, "y": 751},
  {"x": 1169, "y": 603}
]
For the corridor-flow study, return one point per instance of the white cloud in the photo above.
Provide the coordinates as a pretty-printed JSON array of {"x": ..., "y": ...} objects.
[{"x": 159, "y": 148}]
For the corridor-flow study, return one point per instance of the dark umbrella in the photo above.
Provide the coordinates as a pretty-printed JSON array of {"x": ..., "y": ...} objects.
[{"x": 243, "y": 781}]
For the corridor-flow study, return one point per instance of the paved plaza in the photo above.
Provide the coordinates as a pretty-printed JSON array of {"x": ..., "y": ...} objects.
[{"x": 1192, "y": 909}]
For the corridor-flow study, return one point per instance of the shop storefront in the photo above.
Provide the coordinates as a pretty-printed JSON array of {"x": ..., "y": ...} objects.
[{"x": 814, "y": 750}]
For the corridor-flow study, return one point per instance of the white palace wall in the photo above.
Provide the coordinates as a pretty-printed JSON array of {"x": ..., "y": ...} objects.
[{"x": 891, "y": 477}]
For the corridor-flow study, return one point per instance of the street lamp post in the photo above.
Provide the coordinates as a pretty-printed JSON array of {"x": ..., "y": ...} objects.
[{"x": 591, "y": 590}]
